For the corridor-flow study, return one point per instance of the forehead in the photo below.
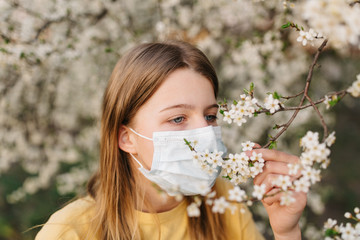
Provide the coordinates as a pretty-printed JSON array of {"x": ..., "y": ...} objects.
[
  {"x": 181, "y": 87},
  {"x": 184, "y": 85}
]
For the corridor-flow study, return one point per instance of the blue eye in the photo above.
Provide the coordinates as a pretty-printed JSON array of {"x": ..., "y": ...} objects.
[
  {"x": 211, "y": 118},
  {"x": 178, "y": 120}
]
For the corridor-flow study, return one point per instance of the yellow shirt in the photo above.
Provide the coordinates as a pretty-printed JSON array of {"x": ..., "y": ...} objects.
[{"x": 73, "y": 222}]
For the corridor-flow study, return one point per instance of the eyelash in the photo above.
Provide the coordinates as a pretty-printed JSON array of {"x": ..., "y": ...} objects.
[
  {"x": 174, "y": 120},
  {"x": 213, "y": 118}
]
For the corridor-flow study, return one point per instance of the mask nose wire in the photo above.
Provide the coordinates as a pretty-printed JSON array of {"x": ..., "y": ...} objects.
[{"x": 147, "y": 138}]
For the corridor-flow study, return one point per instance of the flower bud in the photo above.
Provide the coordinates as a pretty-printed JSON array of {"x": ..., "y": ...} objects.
[{"x": 356, "y": 210}]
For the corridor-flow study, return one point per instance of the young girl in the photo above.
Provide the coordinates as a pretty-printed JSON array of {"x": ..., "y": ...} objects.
[{"x": 159, "y": 94}]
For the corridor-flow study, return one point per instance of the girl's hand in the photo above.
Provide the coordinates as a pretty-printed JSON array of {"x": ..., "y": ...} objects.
[{"x": 283, "y": 219}]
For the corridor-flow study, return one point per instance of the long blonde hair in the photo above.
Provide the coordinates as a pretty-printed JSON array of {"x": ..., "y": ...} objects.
[{"x": 134, "y": 79}]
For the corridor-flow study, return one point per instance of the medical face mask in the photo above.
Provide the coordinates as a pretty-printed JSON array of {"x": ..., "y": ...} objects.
[{"x": 173, "y": 168}]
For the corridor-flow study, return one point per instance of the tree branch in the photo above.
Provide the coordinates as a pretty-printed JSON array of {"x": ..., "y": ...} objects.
[{"x": 307, "y": 85}]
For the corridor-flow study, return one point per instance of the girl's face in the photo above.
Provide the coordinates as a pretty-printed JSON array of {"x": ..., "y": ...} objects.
[{"x": 185, "y": 100}]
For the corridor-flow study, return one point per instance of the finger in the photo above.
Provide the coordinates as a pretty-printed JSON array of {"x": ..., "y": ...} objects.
[
  {"x": 272, "y": 167},
  {"x": 274, "y": 155},
  {"x": 268, "y": 181},
  {"x": 257, "y": 146},
  {"x": 272, "y": 196},
  {"x": 271, "y": 181}
]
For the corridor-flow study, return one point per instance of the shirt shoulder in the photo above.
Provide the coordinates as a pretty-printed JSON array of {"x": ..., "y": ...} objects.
[{"x": 71, "y": 222}]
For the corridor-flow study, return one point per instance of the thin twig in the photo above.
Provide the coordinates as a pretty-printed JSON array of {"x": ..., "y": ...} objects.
[
  {"x": 294, "y": 96},
  {"x": 340, "y": 95},
  {"x": 323, "y": 123}
]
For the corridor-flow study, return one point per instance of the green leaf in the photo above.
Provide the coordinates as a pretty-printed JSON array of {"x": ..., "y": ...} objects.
[
  {"x": 273, "y": 145},
  {"x": 256, "y": 114},
  {"x": 221, "y": 112},
  {"x": 252, "y": 86},
  {"x": 109, "y": 50},
  {"x": 227, "y": 177},
  {"x": 286, "y": 25},
  {"x": 22, "y": 55},
  {"x": 333, "y": 102},
  {"x": 276, "y": 95},
  {"x": 246, "y": 91},
  {"x": 275, "y": 127},
  {"x": 331, "y": 232},
  {"x": 268, "y": 113},
  {"x": 235, "y": 102}
]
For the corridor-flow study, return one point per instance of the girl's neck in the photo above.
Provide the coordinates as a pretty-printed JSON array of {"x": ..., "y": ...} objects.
[{"x": 156, "y": 200}]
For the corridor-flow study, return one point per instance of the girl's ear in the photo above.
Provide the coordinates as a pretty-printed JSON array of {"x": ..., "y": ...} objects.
[{"x": 125, "y": 140}]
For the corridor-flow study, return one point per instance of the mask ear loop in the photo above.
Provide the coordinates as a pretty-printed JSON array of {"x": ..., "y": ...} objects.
[
  {"x": 136, "y": 160},
  {"x": 147, "y": 138}
]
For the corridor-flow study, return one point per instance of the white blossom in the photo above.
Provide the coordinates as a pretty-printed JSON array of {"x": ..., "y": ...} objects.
[
  {"x": 330, "y": 140},
  {"x": 237, "y": 194},
  {"x": 348, "y": 232},
  {"x": 283, "y": 181},
  {"x": 330, "y": 223},
  {"x": 293, "y": 168},
  {"x": 354, "y": 89},
  {"x": 302, "y": 38},
  {"x": 302, "y": 185},
  {"x": 247, "y": 146},
  {"x": 327, "y": 102},
  {"x": 204, "y": 188},
  {"x": 287, "y": 199},
  {"x": 193, "y": 210},
  {"x": 272, "y": 104},
  {"x": 220, "y": 205},
  {"x": 310, "y": 139},
  {"x": 259, "y": 191}
]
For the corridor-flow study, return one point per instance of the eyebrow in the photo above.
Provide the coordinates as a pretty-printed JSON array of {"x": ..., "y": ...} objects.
[{"x": 188, "y": 106}]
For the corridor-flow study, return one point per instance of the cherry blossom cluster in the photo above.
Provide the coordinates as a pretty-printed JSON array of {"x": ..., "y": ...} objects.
[
  {"x": 238, "y": 168},
  {"x": 343, "y": 231},
  {"x": 239, "y": 110},
  {"x": 354, "y": 89},
  {"x": 306, "y": 172},
  {"x": 337, "y": 19},
  {"x": 315, "y": 156},
  {"x": 310, "y": 36},
  {"x": 219, "y": 205},
  {"x": 208, "y": 162},
  {"x": 247, "y": 107}
]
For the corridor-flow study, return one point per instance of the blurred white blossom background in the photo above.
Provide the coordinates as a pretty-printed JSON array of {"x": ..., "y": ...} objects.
[{"x": 56, "y": 57}]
